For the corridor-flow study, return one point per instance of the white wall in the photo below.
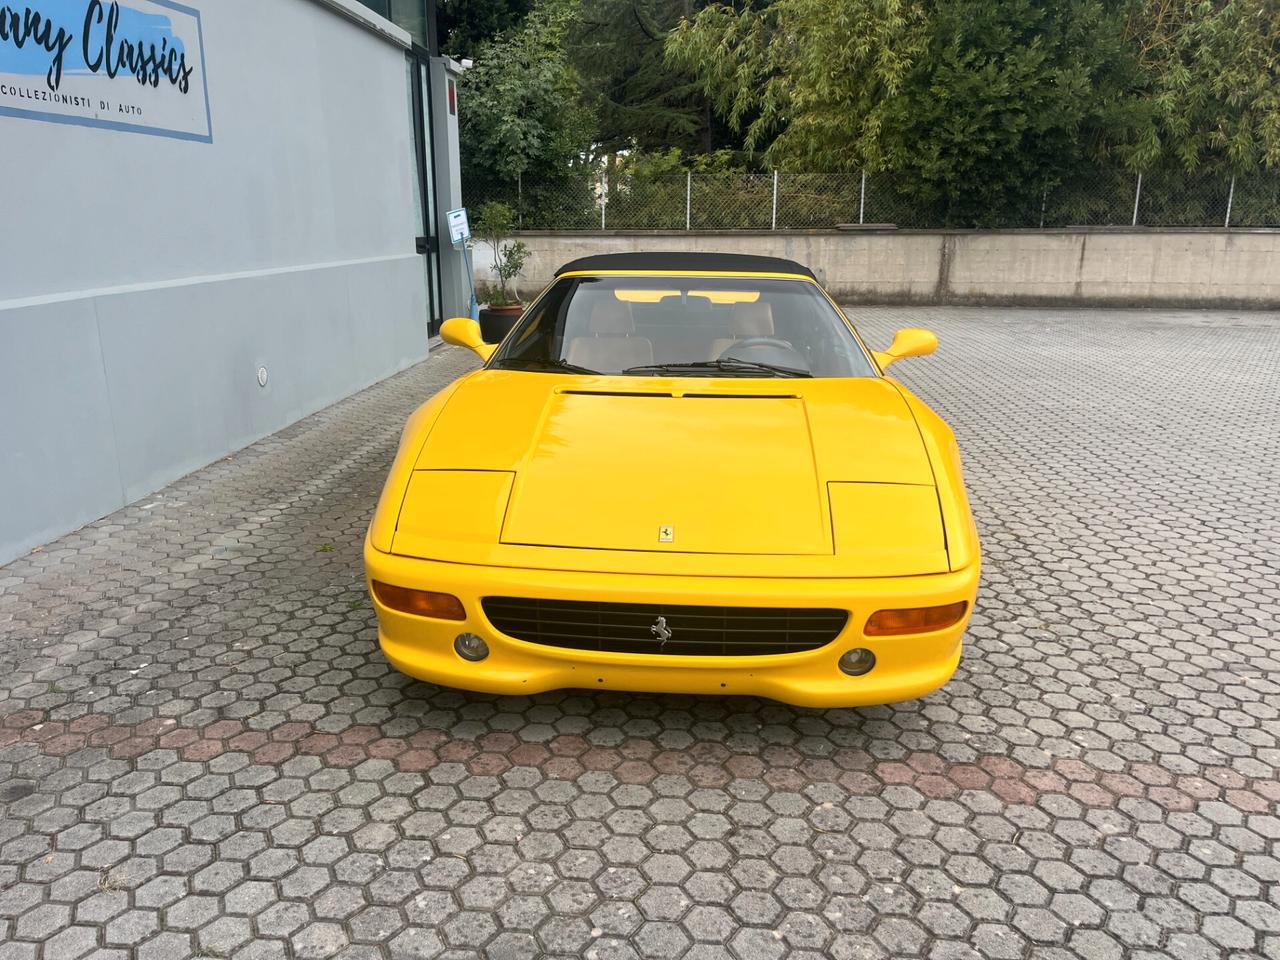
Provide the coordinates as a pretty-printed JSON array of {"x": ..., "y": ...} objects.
[{"x": 144, "y": 280}]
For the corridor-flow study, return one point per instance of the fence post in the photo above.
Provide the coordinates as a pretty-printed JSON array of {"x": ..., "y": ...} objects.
[
  {"x": 774, "y": 222},
  {"x": 862, "y": 199},
  {"x": 604, "y": 196},
  {"x": 1137, "y": 196},
  {"x": 1231, "y": 195},
  {"x": 1044, "y": 201},
  {"x": 688, "y": 199},
  {"x": 519, "y": 202}
]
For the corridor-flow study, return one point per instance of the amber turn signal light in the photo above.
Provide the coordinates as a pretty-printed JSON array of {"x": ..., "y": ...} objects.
[
  {"x": 887, "y": 623},
  {"x": 421, "y": 603}
]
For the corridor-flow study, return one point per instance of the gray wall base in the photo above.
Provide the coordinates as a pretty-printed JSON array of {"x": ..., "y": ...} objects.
[
  {"x": 110, "y": 395},
  {"x": 1142, "y": 267}
]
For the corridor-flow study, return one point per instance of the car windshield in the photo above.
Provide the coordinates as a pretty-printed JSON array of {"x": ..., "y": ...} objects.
[{"x": 684, "y": 326}]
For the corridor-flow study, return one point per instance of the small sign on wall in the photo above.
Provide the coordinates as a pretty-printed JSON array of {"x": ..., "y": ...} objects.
[
  {"x": 459, "y": 229},
  {"x": 130, "y": 65}
]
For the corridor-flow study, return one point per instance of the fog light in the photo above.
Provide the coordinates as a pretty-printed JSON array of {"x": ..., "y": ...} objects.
[
  {"x": 470, "y": 647},
  {"x": 421, "y": 603},
  {"x": 857, "y": 661}
]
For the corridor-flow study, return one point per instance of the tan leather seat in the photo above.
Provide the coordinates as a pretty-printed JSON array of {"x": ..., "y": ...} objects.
[
  {"x": 748, "y": 320},
  {"x": 610, "y": 345}
]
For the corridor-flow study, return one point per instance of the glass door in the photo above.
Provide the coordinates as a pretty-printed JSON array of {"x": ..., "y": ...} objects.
[
  {"x": 428, "y": 242},
  {"x": 433, "y": 215}
]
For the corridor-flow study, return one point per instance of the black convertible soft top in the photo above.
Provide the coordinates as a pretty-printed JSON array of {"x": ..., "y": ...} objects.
[{"x": 664, "y": 262}]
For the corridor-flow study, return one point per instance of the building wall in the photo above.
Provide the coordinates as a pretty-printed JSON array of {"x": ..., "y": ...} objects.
[
  {"x": 1133, "y": 268},
  {"x": 145, "y": 280}
]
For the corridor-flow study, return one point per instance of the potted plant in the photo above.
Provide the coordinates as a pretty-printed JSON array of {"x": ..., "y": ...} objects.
[{"x": 494, "y": 223}]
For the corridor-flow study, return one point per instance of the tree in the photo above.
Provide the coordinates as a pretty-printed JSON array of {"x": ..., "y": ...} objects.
[
  {"x": 975, "y": 106},
  {"x": 1211, "y": 72},
  {"x": 464, "y": 25},
  {"x": 817, "y": 73},
  {"x": 1006, "y": 101},
  {"x": 520, "y": 113},
  {"x": 494, "y": 223},
  {"x": 640, "y": 100}
]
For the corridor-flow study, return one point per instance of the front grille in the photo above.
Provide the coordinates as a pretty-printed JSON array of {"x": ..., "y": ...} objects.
[{"x": 695, "y": 631}]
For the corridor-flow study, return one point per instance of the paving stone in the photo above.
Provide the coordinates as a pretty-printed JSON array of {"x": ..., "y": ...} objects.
[
  {"x": 71, "y": 942},
  {"x": 164, "y": 946},
  {"x": 202, "y": 750},
  {"x": 132, "y": 927},
  {"x": 319, "y": 940},
  {"x": 42, "y": 922}
]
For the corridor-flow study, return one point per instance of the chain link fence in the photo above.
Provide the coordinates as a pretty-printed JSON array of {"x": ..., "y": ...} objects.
[{"x": 798, "y": 201}]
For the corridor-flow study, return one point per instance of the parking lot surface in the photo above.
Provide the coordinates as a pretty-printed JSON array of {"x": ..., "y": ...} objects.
[{"x": 202, "y": 751}]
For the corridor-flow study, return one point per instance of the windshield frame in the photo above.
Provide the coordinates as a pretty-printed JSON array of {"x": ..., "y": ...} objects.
[{"x": 505, "y": 349}]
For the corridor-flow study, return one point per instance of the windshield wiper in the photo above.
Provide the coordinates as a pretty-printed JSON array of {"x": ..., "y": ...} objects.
[
  {"x": 729, "y": 365},
  {"x": 547, "y": 366}
]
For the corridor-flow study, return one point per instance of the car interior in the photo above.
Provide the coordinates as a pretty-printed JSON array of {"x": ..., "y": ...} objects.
[{"x": 610, "y": 328}]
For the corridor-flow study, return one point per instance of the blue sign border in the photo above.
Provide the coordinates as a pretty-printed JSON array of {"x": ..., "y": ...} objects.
[{"x": 133, "y": 127}]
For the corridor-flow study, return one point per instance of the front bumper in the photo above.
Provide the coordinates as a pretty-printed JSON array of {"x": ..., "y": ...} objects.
[{"x": 906, "y": 666}]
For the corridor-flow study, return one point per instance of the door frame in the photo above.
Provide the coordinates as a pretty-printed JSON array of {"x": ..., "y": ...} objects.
[{"x": 424, "y": 150}]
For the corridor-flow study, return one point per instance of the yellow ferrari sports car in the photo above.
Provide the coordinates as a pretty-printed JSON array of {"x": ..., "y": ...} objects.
[{"x": 678, "y": 473}]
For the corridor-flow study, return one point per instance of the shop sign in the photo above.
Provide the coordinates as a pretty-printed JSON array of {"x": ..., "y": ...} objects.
[{"x": 130, "y": 65}]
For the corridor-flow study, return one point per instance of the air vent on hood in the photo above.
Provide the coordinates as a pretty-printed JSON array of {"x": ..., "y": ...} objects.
[
  {"x": 683, "y": 396},
  {"x": 739, "y": 396},
  {"x": 614, "y": 393}
]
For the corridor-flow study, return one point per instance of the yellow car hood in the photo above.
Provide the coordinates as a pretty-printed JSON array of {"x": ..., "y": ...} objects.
[
  {"x": 691, "y": 474},
  {"x": 627, "y": 468}
]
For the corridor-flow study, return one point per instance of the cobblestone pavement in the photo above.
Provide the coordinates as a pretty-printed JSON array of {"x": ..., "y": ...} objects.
[{"x": 203, "y": 753}]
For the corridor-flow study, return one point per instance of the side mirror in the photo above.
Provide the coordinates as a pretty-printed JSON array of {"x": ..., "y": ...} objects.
[
  {"x": 908, "y": 342},
  {"x": 465, "y": 332}
]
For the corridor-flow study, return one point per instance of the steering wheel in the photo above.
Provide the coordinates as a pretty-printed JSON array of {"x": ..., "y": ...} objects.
[
  {"x": 766, "y": 350},
  {"x": 748, "y": 343}
]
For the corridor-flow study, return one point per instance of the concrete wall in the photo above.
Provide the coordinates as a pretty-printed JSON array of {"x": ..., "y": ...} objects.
[
  {"x": 1123, "y": 267},
  {"x": 144, "y": 280}
]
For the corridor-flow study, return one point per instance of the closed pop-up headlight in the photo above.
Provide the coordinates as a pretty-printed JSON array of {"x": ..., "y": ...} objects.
[
  {"x": 444, "y": 509},
  {"x": 888, "y": 529}
]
